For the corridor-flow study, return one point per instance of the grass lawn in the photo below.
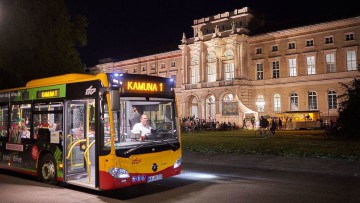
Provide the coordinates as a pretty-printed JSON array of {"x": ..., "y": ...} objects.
[{"x": 302, "y": 143}]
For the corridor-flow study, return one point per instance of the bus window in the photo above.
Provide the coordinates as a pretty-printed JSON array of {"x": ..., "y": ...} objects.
[
  {"x": 160, "y": 124},
  {"x": 47, "y": 115},
  {"x": 3, "y": 121},
  {"x": 19, "y": 126}
]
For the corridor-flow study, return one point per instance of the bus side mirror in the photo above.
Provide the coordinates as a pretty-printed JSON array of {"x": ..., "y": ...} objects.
[{"x": 115, "y": 99}]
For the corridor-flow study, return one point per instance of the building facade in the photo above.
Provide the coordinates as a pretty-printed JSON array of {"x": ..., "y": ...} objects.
[{"x": 227, "y": 72}]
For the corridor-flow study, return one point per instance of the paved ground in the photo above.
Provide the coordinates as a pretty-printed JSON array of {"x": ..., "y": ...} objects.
[{"x": 311, "y": 165}]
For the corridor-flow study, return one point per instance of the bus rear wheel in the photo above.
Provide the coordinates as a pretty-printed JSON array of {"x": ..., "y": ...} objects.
[{"x": 47, "y": 169}]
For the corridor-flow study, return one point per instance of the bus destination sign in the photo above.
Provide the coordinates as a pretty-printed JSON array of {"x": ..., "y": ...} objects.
[
  {"x": 48, "y": 93},
  {"x": 141, "y": 86}
]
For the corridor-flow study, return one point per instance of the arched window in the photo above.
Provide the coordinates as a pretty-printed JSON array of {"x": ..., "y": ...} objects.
[
  {"x": 332, "y": 103},
  {"x": 210, "y": 107},
  {"x": 228, "y": 97},
  {"x": 294, "y": 102},
  {"x": 194, "y": 107},
  {"x": 230, "y": 107},
  {"x": 211, "y": 67},
  {"x": 312, "y": 99},
  {"x": 277, "y": 103},
  {"x": 211, "y": 57},
  {"x": 229, "y": 67},
  {"x": 260, "y": 103},
  {"x": 228, "y": 54},
  {"x": 194, "y": 75}
]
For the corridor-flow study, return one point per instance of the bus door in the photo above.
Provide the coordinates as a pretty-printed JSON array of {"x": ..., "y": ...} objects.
[{"x": 79, "y": 156}]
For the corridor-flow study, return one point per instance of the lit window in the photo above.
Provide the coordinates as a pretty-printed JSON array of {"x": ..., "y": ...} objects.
[
  {"x": 260, "y": 103},
  {"x": 229, "y": 71},
  {"x": 277, "y": 103},
  {"x": 294, "y": 102},
  {"x": 310, "y": 63},
  {"x": 351, "y": 60},
  {"x": 259, "y": 71},
  {"x": 330, "y": 62},
  {"x": 312, "y": 99},
  {"x": 276, "y": 69},
  {"x": 332, "y": 103},
  {"x": 292, "y": 67}
]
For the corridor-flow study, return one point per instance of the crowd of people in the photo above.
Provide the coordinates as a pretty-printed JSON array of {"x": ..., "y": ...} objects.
[{"x": 196, "y": 124}]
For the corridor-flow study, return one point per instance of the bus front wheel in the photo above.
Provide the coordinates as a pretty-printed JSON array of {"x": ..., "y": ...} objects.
[{"x": 47, "y": 169}]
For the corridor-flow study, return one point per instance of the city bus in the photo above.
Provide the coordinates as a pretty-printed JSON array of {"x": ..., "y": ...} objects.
[{"x": 77, "y": 129}]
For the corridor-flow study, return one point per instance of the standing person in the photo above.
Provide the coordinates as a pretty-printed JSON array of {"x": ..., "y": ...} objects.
[
  {"x": 273, "y": 126},
  {"x": 143, "y": 128},
  {"x": 135, "y": 117},
  {"x": 280, "y": 124},
  {"x": 244, "y": 124},
  {"x": 253, "y": 122},
  {"x": 263, "y": 122}
]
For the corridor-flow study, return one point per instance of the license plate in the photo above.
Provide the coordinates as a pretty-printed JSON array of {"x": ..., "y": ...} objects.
[{"x": 154, "y": 178}]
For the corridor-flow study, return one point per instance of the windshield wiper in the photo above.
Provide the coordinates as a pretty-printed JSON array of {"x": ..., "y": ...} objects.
[{"x": 133, "y": 149}]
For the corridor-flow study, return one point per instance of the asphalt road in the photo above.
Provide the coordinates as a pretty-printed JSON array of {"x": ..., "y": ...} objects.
[{"x": 212, "y": 178}]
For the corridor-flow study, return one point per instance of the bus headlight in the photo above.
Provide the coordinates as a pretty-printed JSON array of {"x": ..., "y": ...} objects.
[
  {"x": 119, "y": 173},
  {"x": 177, "y": 163}
]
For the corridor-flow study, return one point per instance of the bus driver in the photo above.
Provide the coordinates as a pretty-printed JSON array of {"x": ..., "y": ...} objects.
[{"x": 142, "y": 127}]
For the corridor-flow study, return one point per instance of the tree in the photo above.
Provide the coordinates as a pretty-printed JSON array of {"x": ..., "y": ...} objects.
[
  {"x": 38, "y": 38},
  {"x": 349, "y": 108}
]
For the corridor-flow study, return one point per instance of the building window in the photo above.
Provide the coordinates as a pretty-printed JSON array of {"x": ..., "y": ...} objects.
[
  {"x": 229, "y": 71},
  {"x": 349, "y": 37},
  {"x": 173, "y": 77},
  {"x": 274, "y": 48},
  {"x": 126, "y": 71},
  {"x": 276, "y": 69},
  {"x": 211, "y": 57},
  {"x": 292, "y": 67},
  {"x": 330, "y": 62},
  {"x": 258, "y": 51},
  {"x": 329, "y": 40},
  {"x": 134, "y": 70},
  {"x": 211, "y": 73},
  {"x": 332, "y": 100},
  {"x": 162, "y": 65},
  {"x": 210, "y": 107},
  {"x": 173, "y": 64},
  {"x": 309, "y": 43},
  {"x": 277, "y": 103},
  {"x": 351, "y": 60},
  {"x": 260, "y": 103},
  {"x": 291, "y": 45},
  {"x": 143, "y": 68},
  {"x": 310, "y": 63},
  {"x": 259, "y": 71},
  {"x": 294, "y": 102},
  {"x": 312, "y": 99},
  {"x": 194, "y": 77}
]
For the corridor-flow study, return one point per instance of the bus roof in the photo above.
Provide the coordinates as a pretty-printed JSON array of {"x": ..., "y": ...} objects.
[{"x": 60, "y": 79}]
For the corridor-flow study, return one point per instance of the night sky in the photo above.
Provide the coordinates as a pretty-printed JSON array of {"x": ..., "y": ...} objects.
[{"x": 123, "y": 30}]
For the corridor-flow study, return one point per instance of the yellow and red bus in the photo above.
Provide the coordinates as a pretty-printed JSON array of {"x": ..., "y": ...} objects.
[{"x": 77, "y": 129}]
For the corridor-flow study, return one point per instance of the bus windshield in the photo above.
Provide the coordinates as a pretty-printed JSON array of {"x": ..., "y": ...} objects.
[{"x": 141, "y": 121}]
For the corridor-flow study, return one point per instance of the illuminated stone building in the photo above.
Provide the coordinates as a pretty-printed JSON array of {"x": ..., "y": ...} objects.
[{"x": 226, "y": 71}]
